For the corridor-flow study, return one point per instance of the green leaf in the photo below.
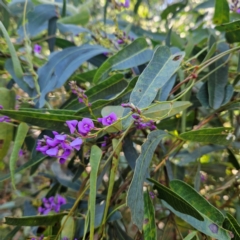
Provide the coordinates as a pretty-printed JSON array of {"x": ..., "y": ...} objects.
[
  {"x": 69, "y": 227},
  {"x": 232, "y": 31},
  {"x": 149, "y": 225},
  {"x": 221, "y": 14},
  {"x": 35, "y": 220},
  {"x": 16, "y": 63},
  {"x": 190, "y": 195},
  {"x": 191, "y": 235},
  {"x": 134, "y": 54},
  {"x": 159, "y": 70},
  {"x": 135, "y": 193},
  {"x": 176, "y": 201},
  {"x": 80, "y": 18},
  {"x": 7, "y": 100},
  {"x": 105, "y": 90},
  {"x": 117, "y": 100},
  {"x": 95, "y": 158},
  {"x": 231, "y": 224},
  {"x": 208, "y": 135},
  {"x": 18, "y": 142},
  {"x": 45, "y": 120},
  {"x": 163, "y": 110},
  {"x": 217, "y": 81}
]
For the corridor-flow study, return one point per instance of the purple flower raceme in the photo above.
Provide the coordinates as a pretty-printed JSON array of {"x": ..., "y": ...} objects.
[
  {"x": 140, "y": 124},
  {"x": 37, "y": 49},
  {"x": 59, "y": 146},
  {"x": 82, "y": 98},
  {"x": 52, "y": 204},
  {"x": 108, "y": 120},
  {"x": 4, "y": 118}
]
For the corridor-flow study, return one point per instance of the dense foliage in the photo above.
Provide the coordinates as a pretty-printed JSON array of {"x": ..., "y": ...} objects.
[{"x": 119, "y": 119}]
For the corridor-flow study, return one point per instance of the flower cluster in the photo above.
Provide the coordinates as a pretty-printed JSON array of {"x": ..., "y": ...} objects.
[
  {"x": 82, "y": 98},
  {"x": 52, "y": 204},
  {"x": 141, "y": 124},
  {"x": 59, "y": 146},
  {"x": 126, "y": 4}
]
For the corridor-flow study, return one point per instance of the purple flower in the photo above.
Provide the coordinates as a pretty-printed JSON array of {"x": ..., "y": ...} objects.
[
  {"x": 37, "y": 48},
  {"x": 85, "y": 126},
  {"x": 108, "y": 120},
  {"x": 120, "y": 41},
  {"x": 51, "y": 204},
  {"x": 72, "y": 125},
  {"x": 126, "y": 4},
  {"x": 238, "y": 10},
  {"x": 1, "y": 107},
  {"x": 20, "y": 153},
  {"x": 4, "y": 119},
  {"x": 76, "y": 143}
]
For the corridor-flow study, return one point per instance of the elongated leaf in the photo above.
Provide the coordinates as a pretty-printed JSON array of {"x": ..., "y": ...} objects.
[
  {"x": 132, "y": 55},
  {"x": 95, "y": 158},
  {"x": 159, "y": 70},
  {"x": 217, "y": 81},
  {"x": 202, "y": 224},
  {"x": 7, "y": 100},
  {"x": 105, "y": 90},
  {"x": 202, "y": 95},
  {"x": 197, "y": 201},
  {"x": 149, "y": 225},
  {"x": 44, "y": 120},
  {"x": 166, "y": 89},
  {"x": 16, "y": 63},
  {"x": 135, "y": 193},
  {"x": 176, "y": 201},
  {"x": 221, "y": 14},
  {"x": 35, "y": 220},
  {"x": 117, "y": 100},
  {"x": 231, "y": 224},
  {"x": 80, "y": 18},
  {"x": 191, "y": 235},
  {"x": 62, "y": 65},
  {"x": 52, "y": 27},
  {"x": 18, "y": 142},
  {"x": 163, "y": 110},
  {"x": 232, "y": 31},
  {"x": 208, "y": 135},
  {"x": 71, "y": 29}
]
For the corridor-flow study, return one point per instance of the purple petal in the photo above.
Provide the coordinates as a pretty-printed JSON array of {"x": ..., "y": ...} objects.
[
  {"x": 52, "y": 152},
  {"x": 60, "y": 137},
  {"x": 37, "y": 48},
  {"x": 72, "y": 125},
  {"x": 52, "y": 142},
  {"x": 76, "y": 143},
  {"x": 62, "y": 160}
]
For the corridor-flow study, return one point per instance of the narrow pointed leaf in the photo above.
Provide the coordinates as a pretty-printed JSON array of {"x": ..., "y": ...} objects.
[
  {"x": 176, "y": 201},
  {"x": 35, "y": 220},
  {"x": 95, "y": 158},
  {"x": 197, "y": 201},
  {"x": 149, "y": 225},
  {"x": 18, "y": 142},
  {"x": 132, "y": 55},
  {"x": 16, "y": 63},
  {"x": 159, "y": 70},
  {"x": 135, "y": 199},
  {"x": 208, "y": 135}
]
